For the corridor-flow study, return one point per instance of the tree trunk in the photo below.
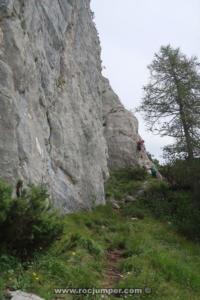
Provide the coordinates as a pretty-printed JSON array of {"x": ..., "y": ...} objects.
[
  {"x": 183, "y": 118},
  {"x": 186, "y": 132}
]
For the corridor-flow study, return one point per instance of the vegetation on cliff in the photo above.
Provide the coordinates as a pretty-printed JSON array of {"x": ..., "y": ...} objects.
[{"x": 142, "y": 235}]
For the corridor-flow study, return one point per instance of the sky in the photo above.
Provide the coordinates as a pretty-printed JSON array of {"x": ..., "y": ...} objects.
[{"x": 131, "y": 31}]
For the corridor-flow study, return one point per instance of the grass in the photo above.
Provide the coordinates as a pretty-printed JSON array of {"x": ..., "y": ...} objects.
[
  {"x": 154, "y": 255},
  {"x": 124, "y": 182}
]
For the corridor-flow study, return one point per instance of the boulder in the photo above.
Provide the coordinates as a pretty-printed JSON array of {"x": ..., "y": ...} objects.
[{"x": 19, "y": 295}]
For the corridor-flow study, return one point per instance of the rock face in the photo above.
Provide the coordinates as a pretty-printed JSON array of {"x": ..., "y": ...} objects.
[
  {"x": 60, "y": 122},
  {"x": 120, "y": 130},
  {"x": 18, "y": 295}
]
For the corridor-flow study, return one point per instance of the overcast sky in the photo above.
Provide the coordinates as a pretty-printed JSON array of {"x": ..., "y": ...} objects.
[{"x": 131, "y": 31}]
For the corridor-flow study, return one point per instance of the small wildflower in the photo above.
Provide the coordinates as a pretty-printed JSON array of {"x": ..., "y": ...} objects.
[{"x": 73, "y": 253}]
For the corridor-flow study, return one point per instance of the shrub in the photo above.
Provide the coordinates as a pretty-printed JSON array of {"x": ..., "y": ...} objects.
[
  {"x": 5, "y": 200},
  {"x": 157, "y": 198},
  {"x": 127, "y": 174},
  {"x": 185, "y": 175},
  {"x": 8, "y": 262},
  {"x": 182, "y": 174},
  {"x": 30, "y": 224},
  {"x": 124, "y": 182},
  {"x": 91, "y": 246},
  {"x": 188, "y": 219},
  {"x": 174, "y": 205},
  {"x": 157, "y": 187}
]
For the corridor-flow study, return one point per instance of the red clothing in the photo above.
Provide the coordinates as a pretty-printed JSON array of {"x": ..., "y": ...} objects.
[{"x": 140, "y": 144}]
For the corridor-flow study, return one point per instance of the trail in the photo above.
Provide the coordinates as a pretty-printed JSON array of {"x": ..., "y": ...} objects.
[{"x": 112, "y": 274}]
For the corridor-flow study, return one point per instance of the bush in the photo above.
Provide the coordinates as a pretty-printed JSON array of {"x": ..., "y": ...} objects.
[
  {"x": 160, "y": 188},
  {"x": 86, "y": 243},
  {"x": 188, "y": 219},
  {"x": 124, "y": 182},
  {"x": 5, "y": 200},
  {"x": 29, "y": 223},
  {"x": 158, "y": 199},
  {"x": 183, "y": 174},
  {"x": 175, "y": 206},
  {"x": 130, "y": 174}
]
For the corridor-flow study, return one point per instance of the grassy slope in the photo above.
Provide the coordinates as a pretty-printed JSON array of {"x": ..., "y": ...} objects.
[{"x": 154, "y": 255}]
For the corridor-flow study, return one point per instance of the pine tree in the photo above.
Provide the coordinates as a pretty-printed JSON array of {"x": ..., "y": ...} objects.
[{"x": 171, "y": 102}]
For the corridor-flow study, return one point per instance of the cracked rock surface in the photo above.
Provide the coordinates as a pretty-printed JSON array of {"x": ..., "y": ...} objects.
[{"x": 60, "y": 122}]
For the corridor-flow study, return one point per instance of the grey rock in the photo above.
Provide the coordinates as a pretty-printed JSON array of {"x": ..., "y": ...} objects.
[
  {"x": 19, "y": 295},
  {"x": 6, "y": 8},
  {"x": 50, "y": 108},
  {"x": 121, "y": 131},
  {"x": 129, "y": 198},
  {"x": 115, "y": 205},
  {"x": 60, "y": 122}
]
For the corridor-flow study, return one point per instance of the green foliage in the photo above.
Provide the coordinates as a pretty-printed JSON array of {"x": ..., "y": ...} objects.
[
  {"x": 157, "y": 187},
  {"x": 29, "y": 224},
  {"x": 8, "y": 262},
  {"x": 175, "y": 206},
  {"x": 171, "y": 100},
  {"x": 133, "y": 211},
  {"x": 77, "y": 240},
  {"x": 128, "y": 174},
  {"x": 177, "y": 201},
  {"x": 155, "y": 161},
  {"x": 5, "y": 200},
  {"x": 183, "y": 174},
  {"x": 161, "y": 260},
  {"x": 124, "y": 182},
  {"x": 153, "y": 254},
  {"x": 60, "y": 82}
]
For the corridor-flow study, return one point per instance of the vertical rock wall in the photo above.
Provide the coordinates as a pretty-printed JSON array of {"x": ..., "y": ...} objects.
[
  {"x": 59, "y": 118},
  {"x": 120, "y": 130}
]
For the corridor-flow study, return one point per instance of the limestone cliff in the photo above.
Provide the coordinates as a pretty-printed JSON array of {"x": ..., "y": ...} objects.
[{"x": 60, "y": 122}]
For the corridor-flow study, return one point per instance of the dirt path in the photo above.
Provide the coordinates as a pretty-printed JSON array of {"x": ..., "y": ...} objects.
[{"x": 112, "y": 274}]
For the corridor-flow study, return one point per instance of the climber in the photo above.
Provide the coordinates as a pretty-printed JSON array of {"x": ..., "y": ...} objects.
[
  {"x": 153, "y": 171},
  {"x": 19, "y": 187},
  {"x": 140, "y": 145}
]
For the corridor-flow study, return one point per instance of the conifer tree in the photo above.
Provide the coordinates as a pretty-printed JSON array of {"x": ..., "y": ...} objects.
[{"x": 171, "y": 102}]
